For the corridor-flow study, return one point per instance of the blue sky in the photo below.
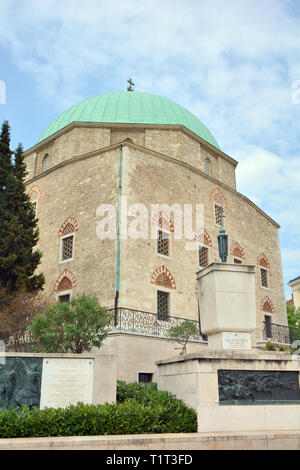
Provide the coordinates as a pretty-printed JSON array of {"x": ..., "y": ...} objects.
[{"x": 232, "y": 63}]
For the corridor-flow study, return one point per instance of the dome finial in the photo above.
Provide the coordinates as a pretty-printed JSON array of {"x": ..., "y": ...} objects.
[{"x": 131, "y": 85}]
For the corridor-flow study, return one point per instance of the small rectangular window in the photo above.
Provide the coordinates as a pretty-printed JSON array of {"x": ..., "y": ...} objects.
[
  {"x": 163, "y": 242},
  {"x": 163, "y": 305},
  {"x": 264, "y": 278},
  {"x": 219, "y": 213},
  {"x": 145, "y": 377},
  {"x": 237, "y": 261},
  {"x": 67, "y": 248},
  {"x": 203, "y": 256},
  {"x": 64, "y": 298}
]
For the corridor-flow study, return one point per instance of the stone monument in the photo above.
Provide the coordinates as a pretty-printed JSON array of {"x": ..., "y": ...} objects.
[{"x": 233, "y": 386}]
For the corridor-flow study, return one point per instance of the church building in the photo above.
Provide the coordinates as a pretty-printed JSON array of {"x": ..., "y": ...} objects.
[{"x": 145, "y": 150}]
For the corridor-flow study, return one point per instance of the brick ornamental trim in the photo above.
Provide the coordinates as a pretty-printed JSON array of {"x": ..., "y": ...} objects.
[
  {"x": 35, "y": 189},
  {"x": 266, "y": 305},
  {"x": 218, "y": 197},
  {"x": 262, "y": 260},
  {"x": 162, "y": 220},
  {"x": 237, "y": 250},
  {"x": 162, "y": 277},
  {"x": 202, "y": 236},
  {"x": 66, "y": 281},
  {"x": 70, "y": 225}
]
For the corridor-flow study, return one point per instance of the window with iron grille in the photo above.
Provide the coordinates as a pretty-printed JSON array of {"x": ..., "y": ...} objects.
[
  {"x": 67, "y": 248},
  {"x": 237, "y": 261},
  {"x": 163, "y": 243},
  {"x": 162, "y": 305},
  {"x": 264, "y": 278},
  {"x": 203, "y": 256},
  {"x": 219, "y": 212}
]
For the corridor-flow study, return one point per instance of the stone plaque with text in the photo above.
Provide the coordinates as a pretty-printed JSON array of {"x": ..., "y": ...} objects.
[
  {"x": 66, "y": 381},
  {"x": 236, "y": 340}
]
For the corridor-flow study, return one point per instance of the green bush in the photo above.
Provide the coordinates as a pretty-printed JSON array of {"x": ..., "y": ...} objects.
[
  {"x": 270, "y": 346},
  {"x": 140, "y": 409}
]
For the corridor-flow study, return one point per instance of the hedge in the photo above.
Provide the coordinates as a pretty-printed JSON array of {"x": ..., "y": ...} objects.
[{"x": 139, "y": 410}]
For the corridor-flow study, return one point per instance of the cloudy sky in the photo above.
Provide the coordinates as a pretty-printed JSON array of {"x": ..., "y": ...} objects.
[{"x": 233, "y": 63}]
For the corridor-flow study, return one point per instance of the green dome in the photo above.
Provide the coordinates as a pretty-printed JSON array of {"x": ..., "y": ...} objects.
[{"x": 129, "y": 107}]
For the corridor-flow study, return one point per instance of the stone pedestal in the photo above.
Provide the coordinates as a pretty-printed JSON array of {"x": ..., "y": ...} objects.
[
  {"x": 227, "y": 305},
  {"x": 234, "y": 391}
]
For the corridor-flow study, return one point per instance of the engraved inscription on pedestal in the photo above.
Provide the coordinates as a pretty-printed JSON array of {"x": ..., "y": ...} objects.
[
  {"x": 66, "y": 381},
  {"x": 236, "y": 340}
]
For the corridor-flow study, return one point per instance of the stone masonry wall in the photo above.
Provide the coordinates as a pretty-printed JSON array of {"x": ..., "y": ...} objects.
[{"x": 75, "y": 191}]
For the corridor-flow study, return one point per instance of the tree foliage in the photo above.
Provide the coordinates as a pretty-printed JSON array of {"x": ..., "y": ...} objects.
[
  {"x": 18, "y": 224},
  {"x": 183, "y": 333},
  {"x": 16, "y": 313},
  {"x": 76, "y": 326},
  {"x": 293, "y": 315}
]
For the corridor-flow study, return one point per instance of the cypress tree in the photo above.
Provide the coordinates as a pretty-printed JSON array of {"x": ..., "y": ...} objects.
[
  {"x": 18, "y": 231},
  {"x": 5, "y": 155}
]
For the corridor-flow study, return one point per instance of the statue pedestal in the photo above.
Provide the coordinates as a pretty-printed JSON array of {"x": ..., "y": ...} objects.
[
  {"x": 227, "y": 305},
  {"x": 234, "y": 391}
]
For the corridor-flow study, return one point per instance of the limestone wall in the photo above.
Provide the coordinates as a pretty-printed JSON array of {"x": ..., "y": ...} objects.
[
  {"x": 76, "y": 191},
  {"x": 153, "y": 180},
  {"x": 138, "y": 353}
]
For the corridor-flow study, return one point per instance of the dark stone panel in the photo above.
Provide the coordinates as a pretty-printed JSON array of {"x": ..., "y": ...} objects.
[
  {"x": 20, "y": 382},
  {"x": 254, "y": 387}
]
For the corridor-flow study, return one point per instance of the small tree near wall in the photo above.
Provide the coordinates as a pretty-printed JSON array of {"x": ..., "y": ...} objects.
[
  {"x": 183, "y": 333},
  {"x": 71, "y": 327}
]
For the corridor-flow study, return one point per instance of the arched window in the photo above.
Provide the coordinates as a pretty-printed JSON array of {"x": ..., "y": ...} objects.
[
  {"x": 67, "y": 239},
  {"x": 163, "y": 233},
  {"x": 237, "y": 252},
  {"x": 207, "y": 167},
  {"x": 46, "y": 162},
  {"x": 64, "y": 286},
  {"x": 264, "y": 270},
  {"x": 219, "y": 206},
  {"x": 203, "y": 249}
]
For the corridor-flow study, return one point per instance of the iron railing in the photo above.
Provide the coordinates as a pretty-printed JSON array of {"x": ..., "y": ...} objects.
[
  {"x": 280, "y": 333},
  {"x": 138, "y": 321}
]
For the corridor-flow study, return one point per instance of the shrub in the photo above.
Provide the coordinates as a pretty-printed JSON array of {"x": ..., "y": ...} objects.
[
  {"x": 75, "y": 326},
  {"x": 140, "y": 409},
  {"x": 270, "y": 346}
]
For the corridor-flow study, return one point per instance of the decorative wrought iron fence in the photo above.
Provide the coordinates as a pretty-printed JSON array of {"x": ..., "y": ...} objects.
[
  {"x": 280, "y": 333},
  {"x": 138, "y": 321}
]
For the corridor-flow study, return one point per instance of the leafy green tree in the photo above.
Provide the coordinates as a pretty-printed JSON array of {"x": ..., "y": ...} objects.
[
  {"x": 183, "y": 333},
  {"x": 76, "y": 326},
  {"x": 18, "y": 224},
  {"x": 293, "y": 315}
]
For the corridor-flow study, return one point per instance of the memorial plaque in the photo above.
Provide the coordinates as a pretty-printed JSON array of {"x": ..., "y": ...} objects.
[
  {"x": 235, "y": 340},
  {"x": 66, "y": 381},
  {"x": 254, "y": 387}
]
